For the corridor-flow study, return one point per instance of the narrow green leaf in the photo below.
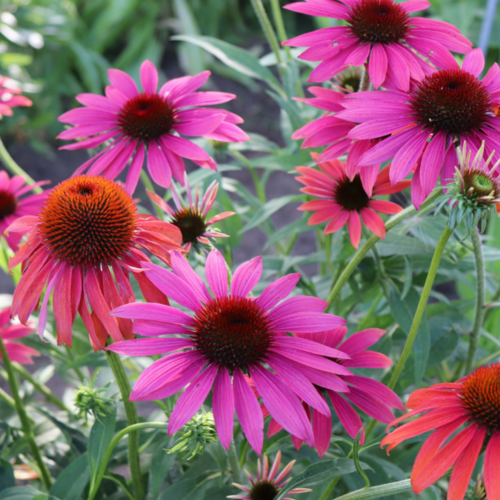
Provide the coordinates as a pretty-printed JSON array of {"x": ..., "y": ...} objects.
[
  {"x": 72, "y": 480},
  {"x": 383, "y": 490},
  {"x": 7, "y": 479}
]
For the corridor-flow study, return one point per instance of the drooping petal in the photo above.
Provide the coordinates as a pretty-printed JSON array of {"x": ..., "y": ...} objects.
[{"x": 223, "y": 407}]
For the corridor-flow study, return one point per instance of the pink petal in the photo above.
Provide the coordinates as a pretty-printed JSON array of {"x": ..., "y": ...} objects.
[
  {"x": 322, "y": 429},
  {"x": 223, "y": 407},
  {"x": 370, "y": 405},
  {"x": 216, "y": 272},
  {"x": 248, "y": 411},
  {"x": 307, "y": 322},
  {"x": 150, "y": 347},
  {"x": 154, "y": 312},
  {"x": 309, "y": 346},
  {"x": 246, "y": 277},
  {"x": 377, "y": 389},
  {"x": 432, "y": 160},
  {"x": 157, "y": 166},
  {"x": 349, "y": 418},
  {"x": 123, "y": 82},
  {"x": 149, "y": 77},
  {"x": 415, "y": 5},
  {"x": 492, "y": 468},
  {"x": 362, "y": 340},
  {"x": 373, "y": 222},
  {"x": 134, "y": 171},
  {"x": 354, "y": 225},
  {"x": 296, "y": 304},
  {"x": 368, "y": 359},
  {"x": 192, "y": 399},
  {"x": 181, "y": 268}
]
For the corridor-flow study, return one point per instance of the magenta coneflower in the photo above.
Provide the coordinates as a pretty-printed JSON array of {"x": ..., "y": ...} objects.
[
  {"x": 82, "y": 245},
  {"x": 12, "y": 206},
  {"x": 423, "y": 126},
  {"x": 345, "y": 199},
  {"x": 229, "y": 335},
  {"x": 268, "y": 483},
  {"x": 149, "y": 122},
  {"x": 19, "y": 353},
  {"x": 369, "y": 395},
  {"x": 473, "y": 401},
  {"x": 192, "y": 218},
  {"x": 380, "y": 32},
  {"x": 10, "y": 98}
]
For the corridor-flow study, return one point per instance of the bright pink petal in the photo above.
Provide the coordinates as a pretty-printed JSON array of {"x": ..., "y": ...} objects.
[
  {"x": 223, "y": 407},
  {"x": 149, "y": 77},
  {"x": 474, "y": 62},
  {"x": 154, "y": 312},
  {"x": 354, "y": 225},
  {"x": 216, "y": 271},
  {"x": 349, "y": 418},
  {"x": 150, "y": 347},
  {"x": 123, "y": 82},
  {"x": 246, "y": 277},
  {"x": 373, "y": 222},
  {"x": 492, "y": 468}
]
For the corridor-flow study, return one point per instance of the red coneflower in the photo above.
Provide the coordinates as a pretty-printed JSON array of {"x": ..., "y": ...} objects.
[
  {"x": 344, "y": 198},
  {"x": 82, "y": 245},
  {"x": 17, "y": 352},
  {"x": 473, "y": 401}
]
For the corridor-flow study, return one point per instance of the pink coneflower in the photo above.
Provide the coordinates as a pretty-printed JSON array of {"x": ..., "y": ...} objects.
[
  {"x": 380, "y": 32},
  {"x": 12, "y": 206},
  {"x": 192, "y": 217},
  {"x": 344, "y": 198},
  {"x": 369, "y": 395},
  {"x": 229, "y": 335},
  {"x": 10, "y": 98},
  {"x": 19, "y": 353},
  {"x": 149, "y": 122},
  {"x": 268, "y": 483},
  {"x": 473, "y": 401},
  {"x": 421, "y": 127},
  {"x": 82, "y": 245}
]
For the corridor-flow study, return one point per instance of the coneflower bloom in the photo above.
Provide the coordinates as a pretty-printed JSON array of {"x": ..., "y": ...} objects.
[
  {"x": 473, "y": 401},
  {"x": 10, "y": 97},
  {"x": 17, "y": 352},
  {"x": 12, "y": 206},
  {"x": 83, "y": 244},
  {"x": 380, "y": 32},
  {"x": 369, "y": 395},
  {"x": 148, "y": 123},
  {"x": 192, "y": 217},
  {"x": 231, "y": 335},
  {"x": 344, "y": 199},
  {"x": 422, "y": 127},
  {"x": 268, "y": 483}
]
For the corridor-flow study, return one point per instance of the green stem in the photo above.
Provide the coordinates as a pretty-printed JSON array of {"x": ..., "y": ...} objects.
[
  {"x": 258, "y": 185},
  {"x": 268, "y": 31},
  {"x": 327, "y": 494},
  {"x": 41, "y": 388},
  {"x": 422, "y": 303},
  {"x": 384, "y": 490},
  {"x": 339, "y": 283},
  {"x": 365, "y": 82},
  {"x": 480, "y": 299},
  {"x": 131, "y": 429},
  {"x": 23, "y": 417},
  {"x": 132, "y": 419},
  {"x": 15, "y": 168},
  {"x": 149, "y": 186},
  {"x": 234, "y": 463},
  {"x": 7, "y": 398}
]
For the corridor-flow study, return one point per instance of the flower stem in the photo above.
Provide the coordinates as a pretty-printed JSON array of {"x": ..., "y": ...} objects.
[
  {"x": 23, "y": 417},
  {"x": 132, "y": 419},
  {"x": 131, "y": 429},
  {"x": 480, "y": 298},
  {"x": 234, "y": 463},
  {"x": 422, "y": 303},
  {"x": 268, "y": 31},
  {"x": 15, "y": 168},
  {"x": 339, "y": 283},
  {"x": 41, "y": 388},
  {"x": 365, "y": 82}
]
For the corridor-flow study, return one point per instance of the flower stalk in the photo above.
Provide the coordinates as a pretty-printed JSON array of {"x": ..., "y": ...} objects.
[
  {"x": 234, "y": 463},
  {"x": 15, "y": 168},
  {"x": 23, "y": 417},
  {"x": 480, "y": 299},
  {"x": 132, "y": 419}
]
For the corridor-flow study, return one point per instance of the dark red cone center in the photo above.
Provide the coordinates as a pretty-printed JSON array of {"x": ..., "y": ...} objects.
[
  {"x": 264, "y": 490},
  {"x": 451, "y": 101},
  {"x": 232, "y": 332},
  {"x": 351, "y": 195},
  {"x": 8, "y": 204},
  {"x": 379, "y": 21},
  {"x": 191, "y": 223},
  {"x": 146, "y": 117}
]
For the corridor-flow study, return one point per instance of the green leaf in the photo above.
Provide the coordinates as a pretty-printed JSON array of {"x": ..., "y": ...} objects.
[
  {"x": 321, "y": 471},
  {"x": 72, "y": 480},
  {"x": 101, "y": 436},
  {"x": 268, "y": 209},
  {"x": 25, "y": 493},
  {"x": 298, "y": 226},
  {"x": 7, "y": 479},
  {"x": 403, "y": 311},
  {"x": 383, "y": 490},
  {"x": 234, "y": 57},
  {"x": 160, "y": 463}
]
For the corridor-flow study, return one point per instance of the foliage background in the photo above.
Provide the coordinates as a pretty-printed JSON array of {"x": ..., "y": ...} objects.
[{"x": 57, "y": 49}]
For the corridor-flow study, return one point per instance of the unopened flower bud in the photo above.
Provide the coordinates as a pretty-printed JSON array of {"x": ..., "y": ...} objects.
[
  {"x": 196, "y": 435},
  {"x": 88, "y": 401}
]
